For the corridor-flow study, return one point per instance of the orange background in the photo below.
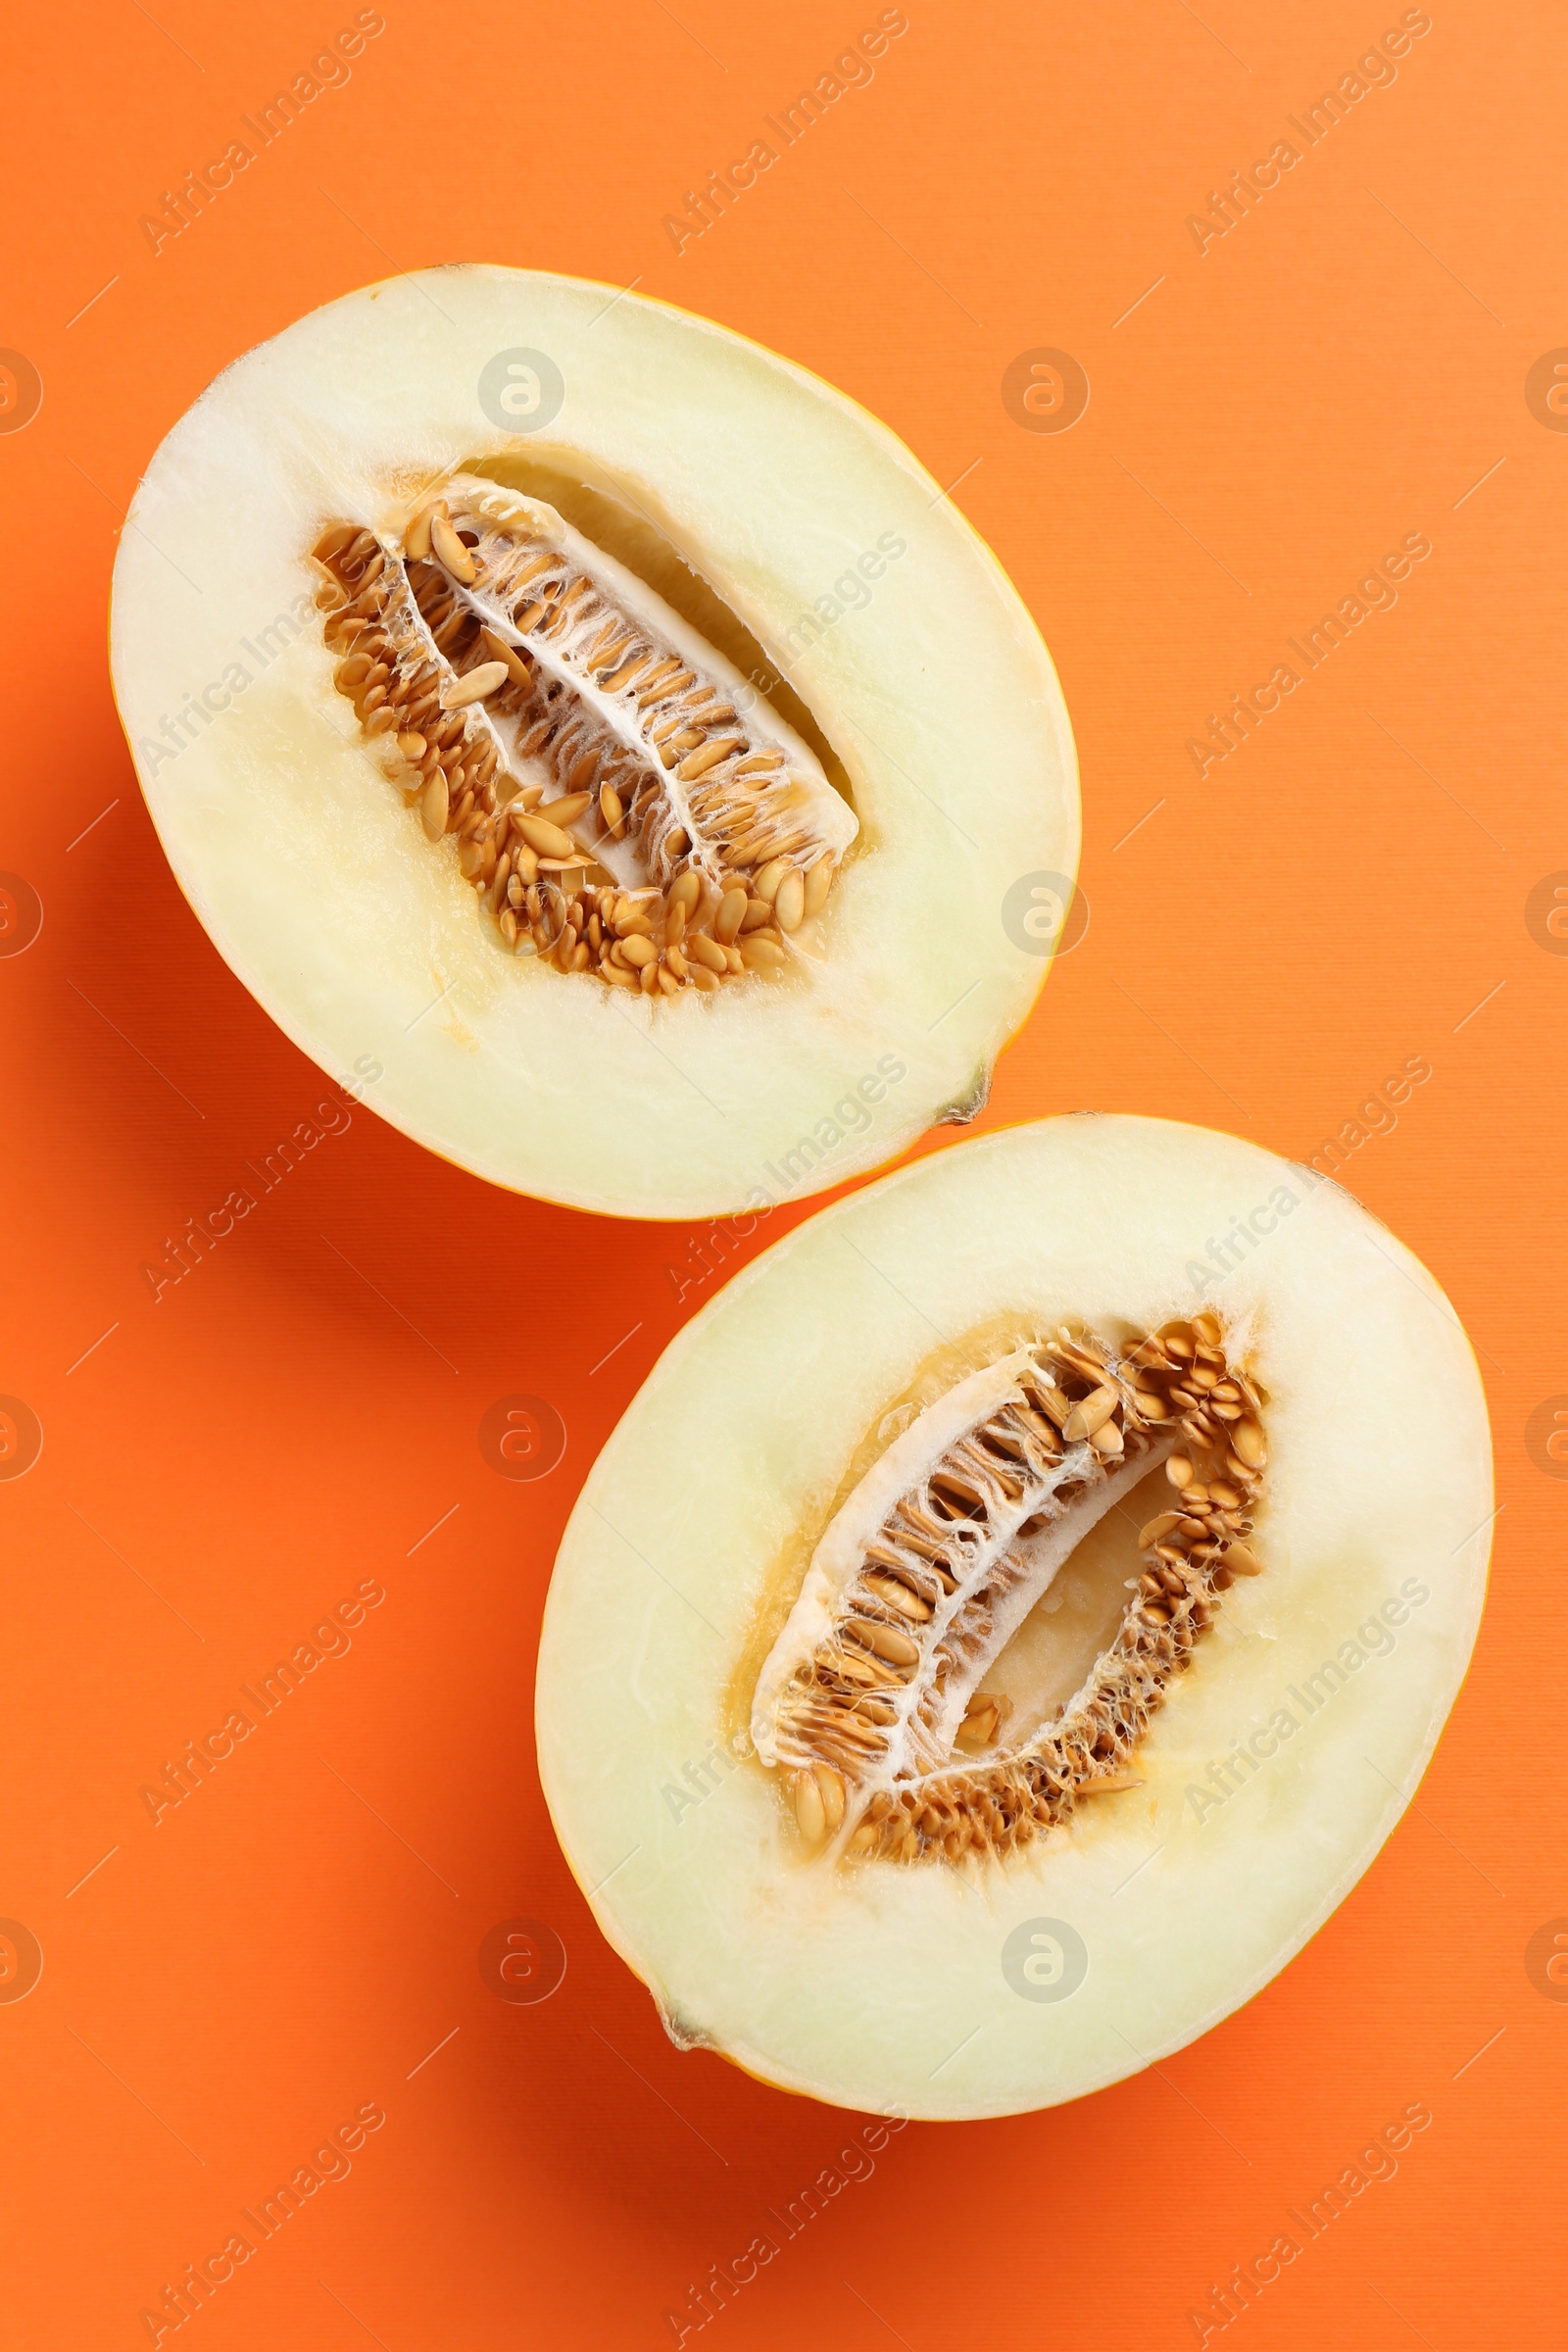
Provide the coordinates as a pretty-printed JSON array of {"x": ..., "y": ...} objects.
[{"x": 1271, "y": 943}]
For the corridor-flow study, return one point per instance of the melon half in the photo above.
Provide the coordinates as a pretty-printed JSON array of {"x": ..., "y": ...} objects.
[
  {"x": 602, "y": 730},
  {"x": 1013, "y": 1614}
]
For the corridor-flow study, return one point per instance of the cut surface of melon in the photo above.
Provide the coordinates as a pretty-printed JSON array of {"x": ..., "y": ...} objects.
[
  {"x": 1013, "y": 1613},
  {"x": 640, "y": 794}
]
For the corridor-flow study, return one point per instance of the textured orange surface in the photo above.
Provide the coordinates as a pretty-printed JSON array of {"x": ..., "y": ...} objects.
[{"x": 1366, "y": 879}]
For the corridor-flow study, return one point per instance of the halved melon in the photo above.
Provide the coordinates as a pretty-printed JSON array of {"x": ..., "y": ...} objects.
[
  {"x": 1013, "y": 1613},
  {"x": 603, "y": 727}
]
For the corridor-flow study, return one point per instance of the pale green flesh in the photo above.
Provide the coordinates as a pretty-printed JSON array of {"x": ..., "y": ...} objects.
[
  {"x": 317, "y": 886},
  {"x": 881, "y": 1986}
]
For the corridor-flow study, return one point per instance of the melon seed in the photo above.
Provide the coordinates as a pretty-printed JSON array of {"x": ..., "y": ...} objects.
[
  {"x": 810, "y": 1811},
  {"x": 474, "y": 685},
  {"x": 884, "y": 1640},
  {"x": 1246, "y": 1439},
  {"x": 732, "y": 913},
  {"x": 898, "y": 1596},
  {"x": 790, "y": 903},
  {"x": 1084, "y": 1418},
  {"x": 450, "y": 550},
  {"x": 433, "y": 807},
  {"x": 548, "y": 838}
]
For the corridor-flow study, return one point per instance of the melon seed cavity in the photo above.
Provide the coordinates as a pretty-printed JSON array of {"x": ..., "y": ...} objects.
[
  {"x": 616, "y": 810},
  {"x": 869, "y": 1705}
]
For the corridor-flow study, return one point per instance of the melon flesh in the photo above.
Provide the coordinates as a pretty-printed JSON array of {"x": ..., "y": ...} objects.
[
  {"x": 736, "y": 493},
  {"x": 724, "y": 1514}
]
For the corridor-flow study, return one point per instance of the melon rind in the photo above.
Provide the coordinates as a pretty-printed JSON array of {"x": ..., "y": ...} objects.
[
  {"x": 880, "y": 1986},
  {"x": 317, "y": 885}
]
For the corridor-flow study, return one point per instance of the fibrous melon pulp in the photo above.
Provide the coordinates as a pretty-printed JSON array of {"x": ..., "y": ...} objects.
[
  {"x": 602, "y": 726},
  {"x": 1013, "y": 1613}
]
